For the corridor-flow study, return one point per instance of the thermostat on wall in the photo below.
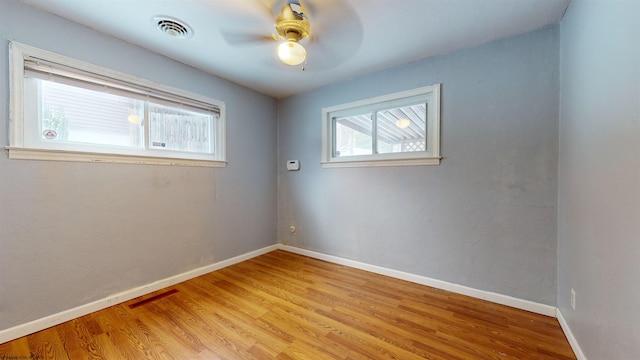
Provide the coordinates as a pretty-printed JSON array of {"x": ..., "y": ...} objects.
[{"x": 293, "y": 165}]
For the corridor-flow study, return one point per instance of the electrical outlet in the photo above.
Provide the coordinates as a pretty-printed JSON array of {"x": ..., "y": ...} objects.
[
  {"x": 573, "y": 299},
  {"x": 293, "y": 229}
]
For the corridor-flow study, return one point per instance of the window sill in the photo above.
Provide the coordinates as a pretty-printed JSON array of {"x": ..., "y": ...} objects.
[
  {"x": 18, "y": 153},
  {"x": 385, "y": 162}
]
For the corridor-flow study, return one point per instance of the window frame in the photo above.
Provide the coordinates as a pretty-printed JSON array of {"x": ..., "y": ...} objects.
[
  {"x": 428, "y": 94},
  {"x": 21, "y": 145}
]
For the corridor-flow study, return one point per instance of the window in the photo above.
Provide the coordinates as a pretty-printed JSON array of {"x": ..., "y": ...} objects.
[
  {"x": 64, "y": 109},
  {"x": 391, "y": 130}
]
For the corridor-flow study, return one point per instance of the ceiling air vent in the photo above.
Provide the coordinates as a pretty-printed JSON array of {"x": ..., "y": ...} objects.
[{"x": 172, "y": 27}]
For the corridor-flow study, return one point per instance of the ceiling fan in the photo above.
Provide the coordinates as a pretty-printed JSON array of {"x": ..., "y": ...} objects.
[
  {"x": 336, "y": 34},
  {"x": 293, "y": 26}
]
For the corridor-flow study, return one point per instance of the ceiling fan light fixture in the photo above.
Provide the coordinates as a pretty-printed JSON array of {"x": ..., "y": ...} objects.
[{"x": 292, "y": 53}]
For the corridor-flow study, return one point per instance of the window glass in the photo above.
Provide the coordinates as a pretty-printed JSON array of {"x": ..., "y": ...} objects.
[
  {"x": 181, "y": 130},
  {"x": 402, "y": 129},
  {"x": 77, "y": 115},
  {"x": 354, "y": 135}
]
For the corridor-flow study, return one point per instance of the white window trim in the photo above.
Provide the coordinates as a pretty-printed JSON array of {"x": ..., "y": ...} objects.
[
  {"x": 390, "y": 159},
  {"x": 17, "y": 149}
]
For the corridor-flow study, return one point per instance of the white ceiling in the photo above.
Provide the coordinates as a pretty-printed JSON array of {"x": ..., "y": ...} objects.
[{"x": 351, "y": 37}]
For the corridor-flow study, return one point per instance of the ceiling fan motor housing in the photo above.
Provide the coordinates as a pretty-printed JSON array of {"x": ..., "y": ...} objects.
[{"x": 291, "y": 25}]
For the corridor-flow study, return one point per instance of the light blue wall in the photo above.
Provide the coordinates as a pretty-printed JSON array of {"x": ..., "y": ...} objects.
[
  {"x": 484, "y": 218},
  {"x": 71, "y": 233},
  {"x": 599, "y": 177}
]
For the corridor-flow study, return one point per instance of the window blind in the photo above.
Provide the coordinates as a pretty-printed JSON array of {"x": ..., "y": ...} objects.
[{"x": 51, "y": 71}]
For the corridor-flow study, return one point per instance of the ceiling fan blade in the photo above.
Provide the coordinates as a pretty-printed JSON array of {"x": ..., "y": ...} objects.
[
  {"x": 253, "y": 22},
  {"x": 336, "y": 33},
  {"x": 243, "y": 39},
  {"x": 265, "y": 7}
]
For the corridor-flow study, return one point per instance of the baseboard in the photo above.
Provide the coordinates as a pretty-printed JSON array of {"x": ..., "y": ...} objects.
[
  {"x": 55, "y": 319},
  {"x": 527, "y": 305},
  {"x": 572, "y": 340}
]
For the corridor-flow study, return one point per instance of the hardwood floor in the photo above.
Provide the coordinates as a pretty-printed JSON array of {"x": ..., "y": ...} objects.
[{"x": 286, "y": 306}]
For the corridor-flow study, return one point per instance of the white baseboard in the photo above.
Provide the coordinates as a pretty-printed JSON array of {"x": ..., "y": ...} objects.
[
  {"x": 55, "y": 319},
  {"x": 527, "y": 305},
  {"x": 70, "y": 314},
  {"x": 572, "y": 340}
]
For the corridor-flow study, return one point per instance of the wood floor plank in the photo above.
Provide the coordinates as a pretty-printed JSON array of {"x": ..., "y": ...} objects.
[
  {"x": 49, "y": 346},
  {"x": 14, "y": 349},
  {"x": 282, "y": 305},
  {"x": 237, "y": 321},
  {"x": 74, "y": 339},
  {"x": 269, "y": 283},
  {"x": 130, "y": 336}
]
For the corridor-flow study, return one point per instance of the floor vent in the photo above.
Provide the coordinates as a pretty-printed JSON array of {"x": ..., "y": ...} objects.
[{"x": 153, "y": 298}]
